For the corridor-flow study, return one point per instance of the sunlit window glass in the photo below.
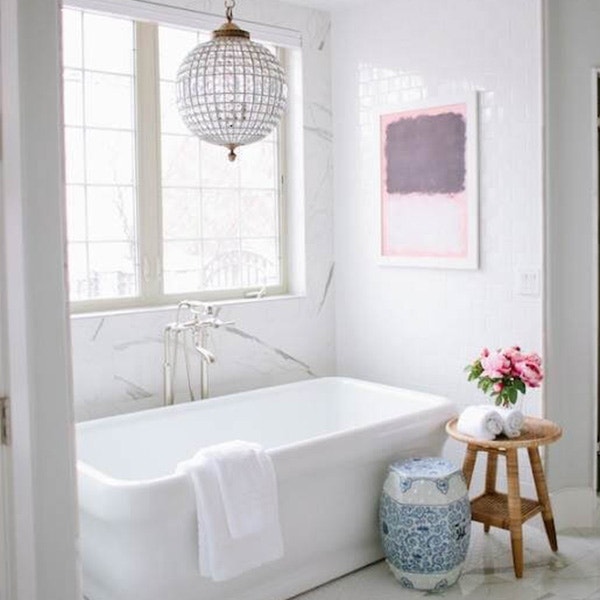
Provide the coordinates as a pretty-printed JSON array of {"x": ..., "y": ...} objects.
[
  {"x": 99, "y": 116},
  {"x": 220, "y": 219}
]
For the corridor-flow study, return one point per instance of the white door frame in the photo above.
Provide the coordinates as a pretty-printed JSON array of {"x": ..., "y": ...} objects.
[
  {"x": 5, "y": 488},
  {"x": 5, "y": 563},
  {"x": 43, "y": 552},
  {"x": 5, "y": 571}
]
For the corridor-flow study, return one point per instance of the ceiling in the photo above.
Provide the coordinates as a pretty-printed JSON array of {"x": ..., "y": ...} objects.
[{"x": 326, "y": 4}]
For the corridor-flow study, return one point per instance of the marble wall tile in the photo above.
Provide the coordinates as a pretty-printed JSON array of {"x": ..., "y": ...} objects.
[{"x": 117, "y": 358}]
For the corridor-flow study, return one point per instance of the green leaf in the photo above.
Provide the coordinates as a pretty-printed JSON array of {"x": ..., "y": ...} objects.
[
  {"x": 512, "y": 394},
  {"x": 520, "y": 385},
  {"x": 475, "y": 368}
]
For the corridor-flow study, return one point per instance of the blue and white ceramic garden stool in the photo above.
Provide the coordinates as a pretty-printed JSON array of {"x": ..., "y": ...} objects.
[{"x": 425, "y": 522}]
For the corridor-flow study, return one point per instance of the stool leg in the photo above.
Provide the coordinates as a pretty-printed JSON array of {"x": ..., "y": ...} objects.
[
  {"x": 514, "y": 510},
  {"x": 542, "y": 492},
  {"x": 490, "y": 478},
  {"x": 469, "y": 464}
]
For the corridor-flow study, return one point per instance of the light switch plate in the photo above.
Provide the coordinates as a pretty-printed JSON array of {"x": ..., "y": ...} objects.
[{"x": 528, "y": 282}]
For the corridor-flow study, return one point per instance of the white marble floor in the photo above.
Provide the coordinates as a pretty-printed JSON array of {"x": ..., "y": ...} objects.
[{"x": 573, "y": 573}]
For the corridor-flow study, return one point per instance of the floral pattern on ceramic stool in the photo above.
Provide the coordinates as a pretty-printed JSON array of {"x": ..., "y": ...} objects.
[{"x": 425, "y": 522}]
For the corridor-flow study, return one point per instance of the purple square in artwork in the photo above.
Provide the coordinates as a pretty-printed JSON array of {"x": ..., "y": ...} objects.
[{"x": 426, "y": 154}]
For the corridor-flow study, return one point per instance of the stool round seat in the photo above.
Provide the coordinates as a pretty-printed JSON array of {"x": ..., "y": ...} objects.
[
  {"x": 425, "y": 522},
  {"x": 535, "y": 432}
]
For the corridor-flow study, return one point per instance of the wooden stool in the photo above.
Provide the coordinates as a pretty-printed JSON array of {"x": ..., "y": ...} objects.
[{"x": 510, "y": 511}]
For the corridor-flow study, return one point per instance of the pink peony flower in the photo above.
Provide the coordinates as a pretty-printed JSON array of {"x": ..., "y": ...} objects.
[
  {"x": 506, "y": 372},
  {"x": 513, "y": 353},
  {"x": 495, "y": 365},
  {"x": 534, "y": 358},
  {"x": 530, "y": 372}
]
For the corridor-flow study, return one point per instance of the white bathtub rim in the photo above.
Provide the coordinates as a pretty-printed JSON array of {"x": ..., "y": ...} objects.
[
  {"x": 87, "y": 470},
  {"x": 235, "y": 397},
  {"x": 115, "y": 482}
]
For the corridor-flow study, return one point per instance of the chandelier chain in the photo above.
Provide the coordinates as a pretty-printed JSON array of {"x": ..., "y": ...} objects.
[{"x": 229, "y": 6}]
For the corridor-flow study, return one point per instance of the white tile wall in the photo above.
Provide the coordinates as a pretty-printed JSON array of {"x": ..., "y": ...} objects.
[{"x": 418, "y": 328}]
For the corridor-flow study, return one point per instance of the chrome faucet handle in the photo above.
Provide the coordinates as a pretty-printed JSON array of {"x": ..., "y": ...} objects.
[
  {"x": 219, "y": 323},
  {"x": 205, "y": 313},
  {"x": 198, "y": 307},
  {"x": 214, "y": 322},
  {"x": 203, "y": 309},
  {"x": 194, "y": 305},
  {"x": 210, "y": 310},
  {"x": 177, "y": 326},
  {"x": 210, "y": 317}
]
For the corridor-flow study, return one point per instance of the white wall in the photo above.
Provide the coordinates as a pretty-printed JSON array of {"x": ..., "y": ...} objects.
[
  {"x": 414, "y": 327},
  {"x": 43, "y": 545},
  {"x": 117, "y": 359},
  {"x": 573, "y": 49},
  {"x": 418, "y": 328}
]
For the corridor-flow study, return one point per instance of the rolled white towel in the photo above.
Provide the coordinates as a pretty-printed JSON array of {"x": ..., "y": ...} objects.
[
  {"x": 481, "y": 421},
  {"x": 512, "y": 421}
]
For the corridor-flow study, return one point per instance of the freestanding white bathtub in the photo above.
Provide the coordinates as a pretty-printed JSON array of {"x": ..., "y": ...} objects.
[{"x": 330, "y": 439}]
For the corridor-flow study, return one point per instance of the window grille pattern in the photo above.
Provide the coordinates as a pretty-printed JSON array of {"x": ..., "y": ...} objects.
[
  {"x": 220, "y": 219},
  {"x": 149, "y": 227},
  {"x": 99, "y": 116}
]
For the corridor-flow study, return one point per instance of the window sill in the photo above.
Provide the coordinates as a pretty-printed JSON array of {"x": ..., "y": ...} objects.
[{"x": 172, "y": 307}]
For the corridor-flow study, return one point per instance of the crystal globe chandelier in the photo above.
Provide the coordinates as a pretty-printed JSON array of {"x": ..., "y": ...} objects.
[{"x": 231, "y": 91}]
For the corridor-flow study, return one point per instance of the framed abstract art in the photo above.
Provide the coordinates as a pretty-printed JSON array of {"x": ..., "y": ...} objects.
[{"x": 429, "y": 185}]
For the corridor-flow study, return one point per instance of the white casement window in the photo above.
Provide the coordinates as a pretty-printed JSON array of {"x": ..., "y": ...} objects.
[{"x": 155, "y": 215}]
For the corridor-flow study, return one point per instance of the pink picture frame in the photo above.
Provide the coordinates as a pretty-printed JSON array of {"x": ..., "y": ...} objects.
[{"x": 428, "y": 202}]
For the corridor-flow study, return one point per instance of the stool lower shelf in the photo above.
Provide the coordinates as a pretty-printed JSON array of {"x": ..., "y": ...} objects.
[{"x": 491, "y": 508}]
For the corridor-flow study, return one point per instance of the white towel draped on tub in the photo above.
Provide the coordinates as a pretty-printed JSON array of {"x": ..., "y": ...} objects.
[
  {"x": 481, "y": 421},
  {"x": 237, "y": 508},
  {"x": 512, "y": 421}
]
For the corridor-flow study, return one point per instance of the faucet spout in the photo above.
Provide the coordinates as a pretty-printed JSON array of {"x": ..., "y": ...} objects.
[
  {"x": 208, "y": 358},
  {"x": 207, "y": 355}
]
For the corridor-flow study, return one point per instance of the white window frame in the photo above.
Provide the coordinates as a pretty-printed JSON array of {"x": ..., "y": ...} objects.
[{"x": 148, "y": 145}]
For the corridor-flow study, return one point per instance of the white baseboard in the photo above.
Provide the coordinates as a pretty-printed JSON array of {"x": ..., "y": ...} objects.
[{"x": 575, "y": 507}]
